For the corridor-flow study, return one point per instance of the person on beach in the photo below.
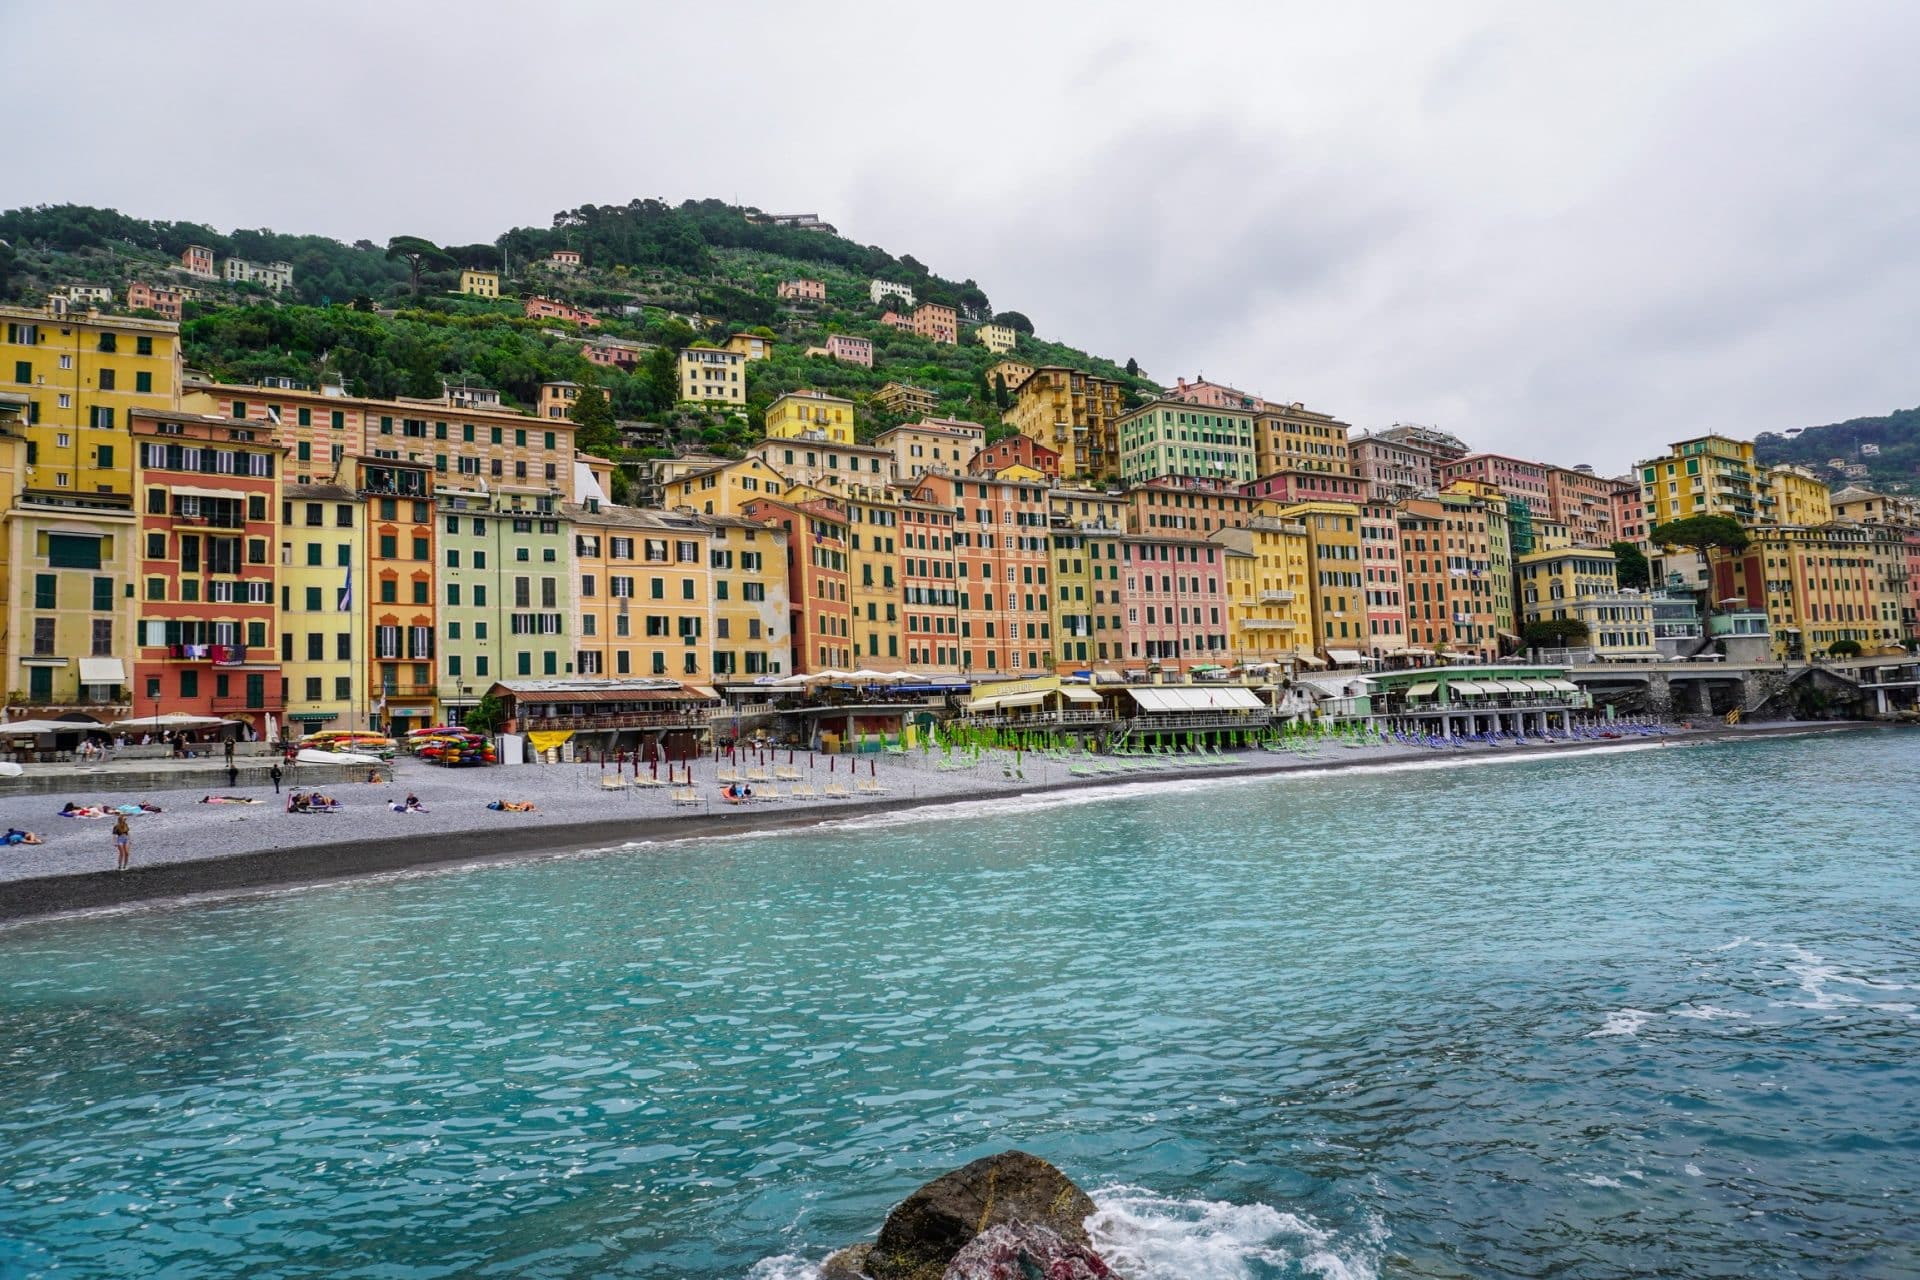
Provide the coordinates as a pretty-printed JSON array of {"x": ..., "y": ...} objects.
[
  {"x": 15, "y": 835},
  {"x": 233, "y": 771},
  {"x": 229, "y": 753},
  {"x": 276, "y": 775},
  {"x": 122, "y": 841}
]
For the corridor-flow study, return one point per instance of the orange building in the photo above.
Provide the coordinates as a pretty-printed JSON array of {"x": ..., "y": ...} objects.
[
  {"x": 1001, "y": 551},
  {"x": 930, "y": 586},
  {"x": 1016, "y": 451},
  {"x": 399, "y": 607},
  {"x": 936, "y": 323},
  {"x": 1190, "y": 509},
  {"x": 159, "y": 299},
  {"x": 819, "y": 600},
  {"x": 208, "y": 604},
  {"x": 1446, "y": 577},
  {"x": 539, "y": 308}
]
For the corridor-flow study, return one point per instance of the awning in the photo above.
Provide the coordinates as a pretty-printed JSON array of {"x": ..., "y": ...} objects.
[
  {"x": 1537, "y": 686},
  {"x": 1103, "y": 676},
  {"x": 1470, "y": 687},
  {"x": 1006, "y": 700},
  {"x": 1184, "y": 698},
  {"x": 705, "y": 691},
  {"x": 1308, "y": 660},
  {"x": 1563, "y": 686},
  {"x": 225, "y": 495},
  {"x": 314, "y": 717},
  {"x": 1078, "y": 693},
  {"x": 1425, "y": 689},
  {"x": 402, "y": 713},
  {"x": 102, "y": 671},
  {"x": 1346, "y": 657}
]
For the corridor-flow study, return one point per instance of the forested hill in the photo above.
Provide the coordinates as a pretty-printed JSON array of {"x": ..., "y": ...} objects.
[
  {"x": 386, "y": 318},
  {"x": 1887, "y": 447}
]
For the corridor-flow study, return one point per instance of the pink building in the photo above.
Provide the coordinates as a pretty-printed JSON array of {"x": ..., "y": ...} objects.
[
  {"x": 538, "y": 308},
  {"x": 158, "y": 299},
  {"x": 1307, "y": 486},
  {"x": 564, "y": 258},
  {"x": 1380, "y": 558},
  {"x": 197, "y": 260},
  {"x": 1514, "y": 477},
  {"x": 1584, "y": 502},
  {"x": 802, "y": 290},
  {"x": 1213, "y": 395},
  {"x": 1392, "y": 469},
  {"x": 1174, "y": 592},
  {"x": 936, "y": 323},
  {"x": 1629, "y": 510},
  {"x": 896, "y": 320},
  {"x": 853, "y": 350},
  {"x": 609, "y": 354}
]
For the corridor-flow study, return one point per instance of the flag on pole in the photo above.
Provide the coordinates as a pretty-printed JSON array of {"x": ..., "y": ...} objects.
[{"x": 346, "y": 594}]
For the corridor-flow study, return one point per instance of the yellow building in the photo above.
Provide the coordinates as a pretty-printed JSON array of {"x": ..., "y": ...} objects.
[
  {"x": 825, "y": 465},
  {"x": 1009, "y": 374},
  {"x": 1799, "y": 496},
  {"x": 1552, "y": 580},
  {"x": 323, "y": 531},
  {"x": 810, "y": 415},
  {"x": 480, "y": 284},
  {"x": 712, "y": 375},
  {"x": 873, "y": 577},
  {"x": 1292, "y": 437},
  {"x": 1709, "y": 476},
  {"x": 1076, "y": 415},
  {"x": 83, "y": 375},
  {"x": 753, "y": 346},
  {"x": 1336, "y": 580},
  {"x": 898, "y": 397},
  {"x": 642, "y": 593},
  {"x": 937, "y": 444},
  {"x": 1088, "y": 616},
  {"x": 1619, "y": 626},
  {"x": 750, "y": 598},
  {"x": 1269, "y": 609},
  {"x": 996, "y": 338},
  {"x": 723, "y": 489},
  {"x": 1822, "y": 584}
]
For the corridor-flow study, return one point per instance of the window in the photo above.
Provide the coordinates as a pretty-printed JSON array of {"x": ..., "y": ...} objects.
[
  {"x": 107, "y": 380},
  {"x": 102, "y": 594},
  {"x": 45, "y": 589},
  {"x": 73, "y": 551},
  {"x": 143, "y": 382}
]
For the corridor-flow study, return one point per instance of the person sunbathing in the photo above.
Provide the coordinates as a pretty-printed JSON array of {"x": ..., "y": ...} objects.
[
  {"x": 296, "y": 802},
  {"x": 414, "y": 805},
  {"x": 228, "y": 800},
  {"x": 15, "y": 835},
  {"x": 511, "y": 806}
]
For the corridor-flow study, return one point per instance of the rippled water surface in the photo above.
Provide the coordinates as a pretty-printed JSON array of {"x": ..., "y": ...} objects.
[{"x": 1652, "y": 1010}]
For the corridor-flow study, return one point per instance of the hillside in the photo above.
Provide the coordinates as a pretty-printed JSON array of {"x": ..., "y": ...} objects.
[
  {"x": 1887, "y": 447},
  {"x": 660, "y": 276}
]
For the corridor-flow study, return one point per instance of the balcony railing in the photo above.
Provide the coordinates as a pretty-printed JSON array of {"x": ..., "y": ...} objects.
[
  {"x": 695, "y": 718},
  {"x": 1201, "y": 720},
  {"x": 407, "y": 690},
  {"x": 1014, "y": 720},
  {"x": 1276, "y": 597}
]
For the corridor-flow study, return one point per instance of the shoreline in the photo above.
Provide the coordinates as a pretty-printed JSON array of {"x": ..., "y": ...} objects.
[{"x": 258, "y": 871}]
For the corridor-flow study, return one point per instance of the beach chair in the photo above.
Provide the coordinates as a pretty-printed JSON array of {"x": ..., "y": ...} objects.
[
  {"x": 768, "y": 792},
  {"x": 759, "y": 775},
  {"x": 871, "y": 787},
  {"x": 803, "y": 791},
  {"x": 615, "y": 783},
  {"x": 686, "y": 795},
  {"x": 727, "y": 775},
  {"x": 786, "y": 773},
  {"x": 838, "y": 791}
]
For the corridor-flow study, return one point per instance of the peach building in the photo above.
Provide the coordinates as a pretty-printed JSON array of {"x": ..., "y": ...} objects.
[
  {"x": 1003, "y": 612},
  {"x": 539, "y": 308},
  {"x": 936, "y": 323},
  {"x": 1016, "y": 451},
  {"x": 819, "y": 601},
  {"x": 801, "y": 291},
  {"x": 159, "y": 299},
  {"x": 1514, "y": 477},
  {"x": 850, "y": 349},
  {"x": 197, "y": 260},
  {"x": 935, "y": 444}
]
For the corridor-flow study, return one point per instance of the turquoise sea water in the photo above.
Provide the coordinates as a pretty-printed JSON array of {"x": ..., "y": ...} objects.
[{"x": 1649, "y": 1011}]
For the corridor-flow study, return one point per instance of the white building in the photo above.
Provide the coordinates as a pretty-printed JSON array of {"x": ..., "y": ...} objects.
[
  {"x": 879, "y": 290},
  {"x": 274, "y": 275}
]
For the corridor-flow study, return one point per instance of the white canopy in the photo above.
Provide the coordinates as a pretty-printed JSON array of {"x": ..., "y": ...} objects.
[
  {"x": 102, "y": 671},
  {"x": 1347, "y": 657},
  {"x": 20, "y": 728},
  {"x": 171, "y": 720},
  {"x": 1188, "y": 698}
]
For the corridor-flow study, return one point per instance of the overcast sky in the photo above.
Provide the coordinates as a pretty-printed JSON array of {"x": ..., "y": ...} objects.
[{"x": 1573, "y": 233}]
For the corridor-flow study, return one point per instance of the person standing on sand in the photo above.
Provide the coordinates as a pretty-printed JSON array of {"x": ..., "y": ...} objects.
[
  {"x": 229, "y": 753},
  {"x": 122, "y": 841},
  {"x": 274, "y": 773}
]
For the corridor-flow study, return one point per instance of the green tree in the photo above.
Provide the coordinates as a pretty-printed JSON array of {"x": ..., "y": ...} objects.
[
  {"x": 1001, "y": 396},
  {"x": 594, "y": 415},
  {"x": 1133, "y": 367},
  {"x": 486, "y": 715},
  {"x": 1554, "y": 633},
  {"x": 1630, "y": 566},
  {"x": 1702, "y": 535},
  {"x": 1844, "y": 648},
  {"x": 418, "y": 254},
  {"x": 1016, "y": 321}
]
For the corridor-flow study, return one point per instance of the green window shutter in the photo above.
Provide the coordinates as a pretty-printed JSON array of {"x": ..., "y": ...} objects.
[
  {"x": 46, "y": 587},
  {"x": 103, "y": 593},
  {"x": 73, "y": 551}
]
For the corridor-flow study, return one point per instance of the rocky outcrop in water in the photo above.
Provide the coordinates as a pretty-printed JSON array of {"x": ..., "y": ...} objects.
[{"x": 931, "y": 1232}]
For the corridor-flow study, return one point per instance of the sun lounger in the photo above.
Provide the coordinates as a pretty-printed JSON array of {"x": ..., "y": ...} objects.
[
  {"x": 613, "y": 784},
  {"x": 787, "y": 773},
  {"x": 727, "y": 775},
  {"x": 837, "y": 791},
  {"x": 759, "y": 775},
  {"x": 686, "y": 795},
  {"x": 804, "y": 791},
  {"x": 870, "y": 787},
  {"x": 768, "y": 792},
  {"x": 648, "y": 782}
]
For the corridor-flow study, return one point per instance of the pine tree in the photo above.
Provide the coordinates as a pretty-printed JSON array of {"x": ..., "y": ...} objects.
[{"x": 594, "y": 416}]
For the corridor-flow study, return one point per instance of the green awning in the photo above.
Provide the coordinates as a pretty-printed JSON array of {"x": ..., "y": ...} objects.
[{"x": 314, "y": 717}]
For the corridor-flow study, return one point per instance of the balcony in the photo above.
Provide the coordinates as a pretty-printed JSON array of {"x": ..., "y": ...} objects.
[
  {"x": 407, "y": 690},
  {"x": 1276, "y": 597},
  {"x": 693, "y": 718},
  {"x": 1269, "y": 624}
]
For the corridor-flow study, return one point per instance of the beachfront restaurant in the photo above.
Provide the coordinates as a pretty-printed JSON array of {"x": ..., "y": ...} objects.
[
  {"x": 838, "y": 711},
  {"x": 661, "y": 719},
  {"x": 1072, "y": 709},
  {"x": 1469, "y": 700}
]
